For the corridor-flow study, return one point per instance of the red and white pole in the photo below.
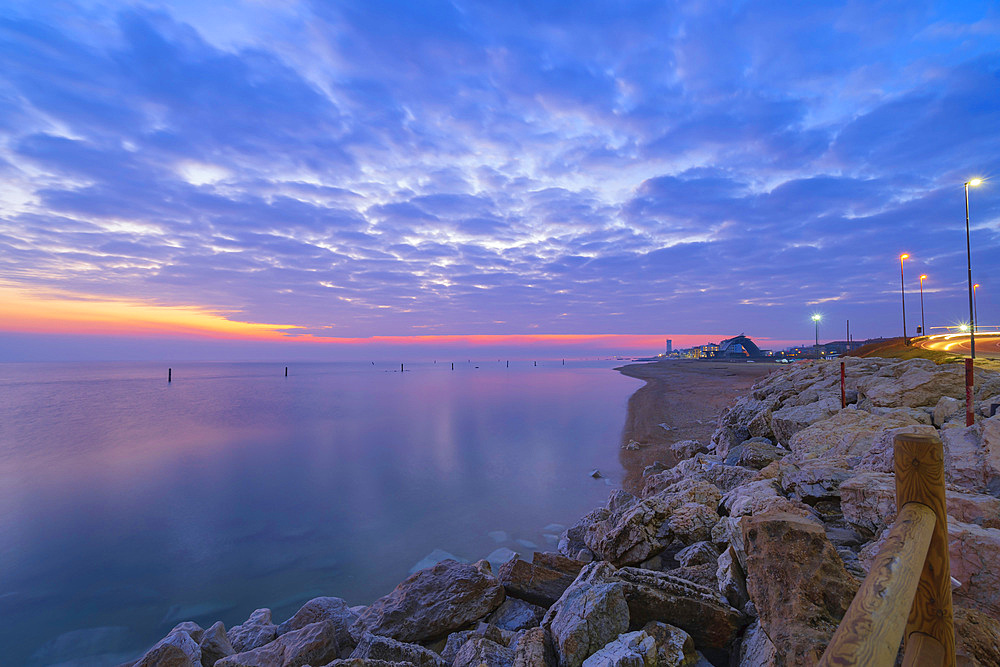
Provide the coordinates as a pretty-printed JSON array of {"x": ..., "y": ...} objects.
[{"x": 970, "y": 416}]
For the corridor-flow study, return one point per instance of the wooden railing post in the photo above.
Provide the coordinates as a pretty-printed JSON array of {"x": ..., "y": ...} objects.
[{"x": 919, "y": 468}]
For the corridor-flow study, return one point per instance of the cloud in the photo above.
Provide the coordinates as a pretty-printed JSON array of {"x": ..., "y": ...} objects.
[{"x": 373, "y": 168}]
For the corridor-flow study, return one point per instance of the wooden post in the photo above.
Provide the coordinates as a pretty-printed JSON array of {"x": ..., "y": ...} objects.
[
  {"x": 970, "y": 415},
  {"x": 871, "y": 629},
  {"x": 401, "y": 368},
  {"x": 170, "y": 372},
  {"x": 843, "y": 388},
  {"x": 453, "y": 365},
  {"x": 919, "y": 468},
  {"x": 286, "y": 371}
]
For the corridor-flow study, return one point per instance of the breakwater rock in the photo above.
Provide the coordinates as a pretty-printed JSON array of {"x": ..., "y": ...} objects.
[{"x": 746, "y": 552}]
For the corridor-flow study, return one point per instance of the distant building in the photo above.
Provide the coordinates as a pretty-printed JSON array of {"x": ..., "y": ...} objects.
[
  {"x": 670, "y": 346},
  {"x": 737, "y": 347}
]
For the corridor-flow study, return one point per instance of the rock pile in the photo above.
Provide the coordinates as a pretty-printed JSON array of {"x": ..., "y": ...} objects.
[{"x": 747, "y": 552}]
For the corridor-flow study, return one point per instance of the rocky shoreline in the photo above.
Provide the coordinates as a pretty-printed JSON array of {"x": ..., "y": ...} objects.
[{"x": 746, "y": 552}]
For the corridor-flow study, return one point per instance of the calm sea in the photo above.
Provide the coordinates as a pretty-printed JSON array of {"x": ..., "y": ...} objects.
[{"x": 128, "y": 504}]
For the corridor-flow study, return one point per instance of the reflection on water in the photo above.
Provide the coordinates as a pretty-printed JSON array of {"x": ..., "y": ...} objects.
[{"x": 127, "y": 504}]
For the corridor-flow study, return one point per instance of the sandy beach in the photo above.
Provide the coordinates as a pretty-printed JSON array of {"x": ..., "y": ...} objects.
[{"x": 681, "y": 400}]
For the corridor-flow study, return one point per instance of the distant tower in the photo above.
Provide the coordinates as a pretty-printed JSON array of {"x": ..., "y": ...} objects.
[{"x": 670, "y": 346}]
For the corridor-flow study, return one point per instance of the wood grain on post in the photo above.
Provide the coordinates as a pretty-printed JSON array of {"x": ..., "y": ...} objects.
[
  {"x": 871, "y": 630},
  {"x": 919, "y": 468}
]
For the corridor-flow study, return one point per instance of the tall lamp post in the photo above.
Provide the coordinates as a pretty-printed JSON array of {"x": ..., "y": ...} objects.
[
  {"x": 816, "y": 318},
  {"x": 902, "y": 292},
  {"x": 975, "y": 307},
  {"x": 923, "y": 326},
  {"x": 968, "y": 257}
]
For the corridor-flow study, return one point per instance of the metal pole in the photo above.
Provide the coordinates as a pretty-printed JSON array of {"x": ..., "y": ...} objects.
[
  {"x": 968, "y": 257},
  {"x": 902, "y": 295},
  {"x": 817, "y": 333},
  {"x": 923, "y": 326},
  {"x": 975, "y": 307}
]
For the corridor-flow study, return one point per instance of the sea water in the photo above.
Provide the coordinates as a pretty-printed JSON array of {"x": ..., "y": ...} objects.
[{"x": 128, "y": 504}]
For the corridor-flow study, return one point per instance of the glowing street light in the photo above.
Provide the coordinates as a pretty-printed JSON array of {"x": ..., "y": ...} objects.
[
  {"x": 968, "y": 256},
  {"x": 816, "y": 318},
  {"x": 923, "y": 327},
  {"x": 902, "y": 292},
  {"x": 975, "y": 307}
]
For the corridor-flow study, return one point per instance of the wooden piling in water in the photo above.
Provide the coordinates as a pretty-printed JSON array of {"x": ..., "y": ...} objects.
[
  {"x": 286, "y": 371},
  {"x": 170, "y": 372}
]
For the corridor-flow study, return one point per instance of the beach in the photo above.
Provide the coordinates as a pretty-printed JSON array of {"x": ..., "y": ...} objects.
[{"x": 681, "y": 400}]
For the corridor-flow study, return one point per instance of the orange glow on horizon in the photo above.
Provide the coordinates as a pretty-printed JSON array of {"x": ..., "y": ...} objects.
[{"x": 26, "y": 310}]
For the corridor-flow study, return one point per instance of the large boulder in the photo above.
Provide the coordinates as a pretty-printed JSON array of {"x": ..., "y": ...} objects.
[
  {"x": 881, "y": 455},
  {"x": 735, "y": 423},
  {"x": 540, "y": 582},
  {"x": 789, "y": 420},
  {"x": 757, "y": 453},
  {"x": 482, "y": 651},
  {"x": 640, "y": 530},
  {"x": 373, "y": 647},
  {"x": 964, "y": 463},
  {"x": 991, "y": 453},
  {"x": 177, "y": 649},
  {"x": 516, "y": 615},
  {"x": 215, "y": 645},
  {"x": 319, "y": 609},
  {"x": 631, "y": 649},
  {"x": 254, "y": 632},
  {"x": 315, "y": 644},
  {"x": 674, "y": 647},
  {"x": 911, "y": 383},
  {"x": 698, "y": 610},
  {"x": 588, "y": 615},
  {"x": 815, "y": 480},
  {"x": 974, "y": 553},
  {"x": 533, "y": 650},
  {"x": 947, "y": 409},
  {"x": 731, "y": 578},
  {"x": 797, "y": 582},
  {"x": 431, "y": 603},
  {"x": 977, "y": 638},
  {"x": 868, "y": 500},
  {"x": 685, "y": 449},
  {"x": 756, "y": 650},
  {"x": 745, "y": 499},
  {"x": 850, "y": 433}
]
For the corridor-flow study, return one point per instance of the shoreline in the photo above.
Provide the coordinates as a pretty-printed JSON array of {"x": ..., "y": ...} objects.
[{"x": 686, "y": 395}]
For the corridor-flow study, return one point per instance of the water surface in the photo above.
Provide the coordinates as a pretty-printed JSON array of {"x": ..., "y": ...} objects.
[{"x": 128, "y": 504}]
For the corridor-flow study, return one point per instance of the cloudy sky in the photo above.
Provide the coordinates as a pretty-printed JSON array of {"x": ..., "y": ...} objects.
[{"x": 310, "y": 173}]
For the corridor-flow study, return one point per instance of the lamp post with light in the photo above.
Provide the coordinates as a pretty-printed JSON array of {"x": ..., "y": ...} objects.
[
  {"x": 968, "y": 256},
  {"x": 923, "y": 326},
  {"x": 902, "y": 292},
  {"x": 816, "y": 318}
]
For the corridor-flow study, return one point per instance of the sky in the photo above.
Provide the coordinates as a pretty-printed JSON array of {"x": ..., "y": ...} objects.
[{"x": 320, "y": 179}]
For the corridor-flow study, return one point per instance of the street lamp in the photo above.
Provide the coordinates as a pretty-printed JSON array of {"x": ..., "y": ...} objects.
[
  {"x": 975, "y": 307},
  {"x": 902, "y": 292},
  {"x": 816, "y": 318},
  {"x": 968, "y": 257},
  {"x": 923, "y": 327}
]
